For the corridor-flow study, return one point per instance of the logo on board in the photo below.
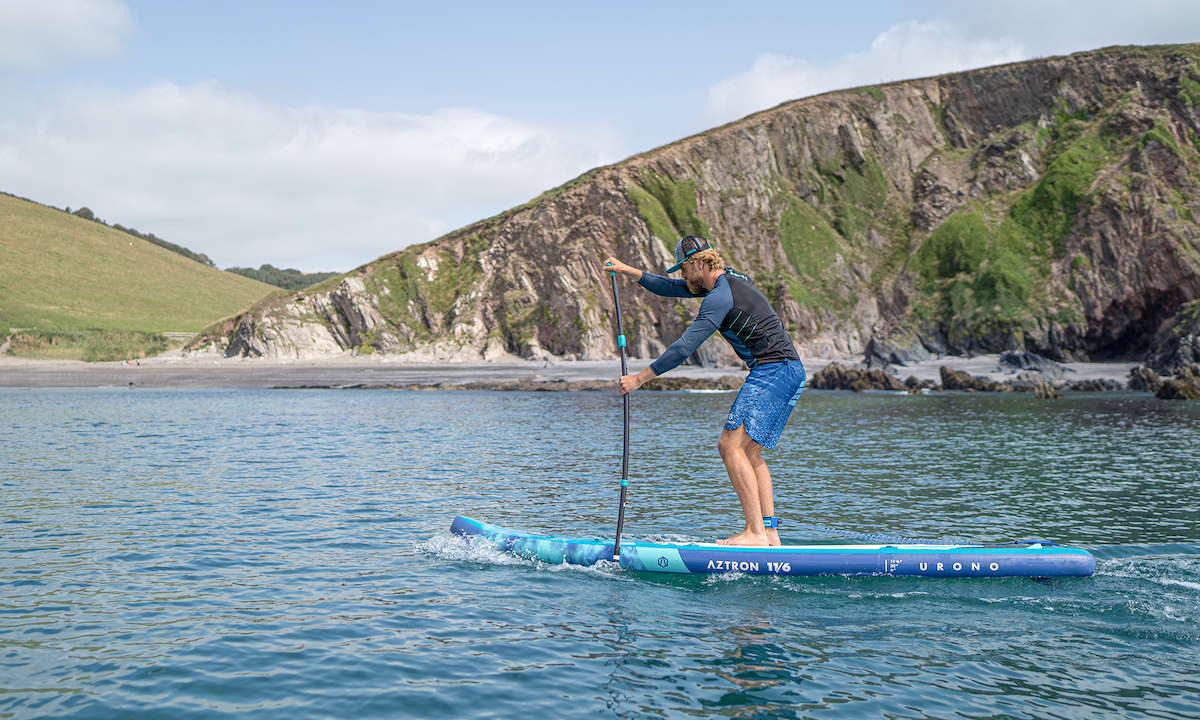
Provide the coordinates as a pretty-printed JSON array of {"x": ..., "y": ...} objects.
[{"x": 662, "y": 562}]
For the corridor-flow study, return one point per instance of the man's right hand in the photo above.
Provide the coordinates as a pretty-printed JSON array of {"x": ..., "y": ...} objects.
[
  {"x": 611, "y": 264},
  {"x": 629, "y": 383}
]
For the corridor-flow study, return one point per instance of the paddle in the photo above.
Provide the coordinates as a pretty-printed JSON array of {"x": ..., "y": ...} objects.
[{"x": 625, "y": 398}]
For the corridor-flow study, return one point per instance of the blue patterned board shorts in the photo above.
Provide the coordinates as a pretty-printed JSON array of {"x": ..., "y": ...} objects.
[{"x": 766, "y": 399}]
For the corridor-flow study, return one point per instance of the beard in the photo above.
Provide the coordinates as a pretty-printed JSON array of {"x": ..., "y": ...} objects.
[{"x": 695, "y": 287}]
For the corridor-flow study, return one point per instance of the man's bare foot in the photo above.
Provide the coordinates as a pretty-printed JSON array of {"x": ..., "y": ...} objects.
[
  {"x": 773, "y": 537},
  {"x": 744, "y": 538}
]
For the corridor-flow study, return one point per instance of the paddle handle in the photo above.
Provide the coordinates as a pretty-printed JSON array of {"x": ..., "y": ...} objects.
[{"x": 625, "y": 436}]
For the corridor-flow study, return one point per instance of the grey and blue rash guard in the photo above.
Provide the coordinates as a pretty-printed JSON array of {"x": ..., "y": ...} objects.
[{"x": 736, "y": 309}]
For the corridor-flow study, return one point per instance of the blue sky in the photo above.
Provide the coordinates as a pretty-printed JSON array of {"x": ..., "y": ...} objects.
[{"x": 321, "y": 135}]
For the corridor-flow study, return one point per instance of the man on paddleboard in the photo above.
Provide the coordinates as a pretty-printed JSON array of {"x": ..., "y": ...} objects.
[{"x": 744, "y": 317}]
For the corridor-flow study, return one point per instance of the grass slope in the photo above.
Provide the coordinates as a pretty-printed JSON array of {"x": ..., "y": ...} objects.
[{"x": 61, "y": 271}]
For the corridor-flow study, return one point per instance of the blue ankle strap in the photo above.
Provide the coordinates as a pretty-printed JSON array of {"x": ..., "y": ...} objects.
[{"x": 770, "y": 522}]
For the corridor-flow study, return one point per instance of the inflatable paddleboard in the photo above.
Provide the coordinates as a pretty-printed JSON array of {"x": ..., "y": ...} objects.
[{"x": 1016, "y": 559}]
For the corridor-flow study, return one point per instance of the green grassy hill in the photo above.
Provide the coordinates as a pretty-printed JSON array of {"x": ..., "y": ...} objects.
[{"x": 64, "y": 272}]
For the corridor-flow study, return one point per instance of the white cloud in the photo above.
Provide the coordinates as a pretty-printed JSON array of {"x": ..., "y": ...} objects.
[
  {"x": 1052, "y": 27},
  {"x": 248, "y": 181},
  {"x": 907, "y": 50},
  {"x": 39, "y": 35}
]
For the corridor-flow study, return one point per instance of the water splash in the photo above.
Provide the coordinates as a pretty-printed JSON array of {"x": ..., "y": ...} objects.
[{"x": 449, "y": 547}]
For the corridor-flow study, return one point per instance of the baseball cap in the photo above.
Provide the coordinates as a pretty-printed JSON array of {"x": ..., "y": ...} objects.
[{"x": 687, "y": 247}]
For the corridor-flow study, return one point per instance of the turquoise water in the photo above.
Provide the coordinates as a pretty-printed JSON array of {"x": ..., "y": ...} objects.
[{"x": 284, "y": 554}]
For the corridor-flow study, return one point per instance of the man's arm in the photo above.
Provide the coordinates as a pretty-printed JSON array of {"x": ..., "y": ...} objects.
[
  {"x": 715, "y": 307},
  {"x": 665, "y": 286},
  {"x": 612, "y": 264},
  {"x": 657, "y": 284},
  {"x": 700, "y": 330}
]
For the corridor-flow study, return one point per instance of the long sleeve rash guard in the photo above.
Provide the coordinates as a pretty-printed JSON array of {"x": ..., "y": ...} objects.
[{"x": 736, "y": 309}]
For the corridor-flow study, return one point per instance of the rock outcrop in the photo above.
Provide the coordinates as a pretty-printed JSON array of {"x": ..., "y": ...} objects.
[
  {"x": 1178, "y": 344},
  {"x": 1143, "y": 379},
  {"x": 1047, "y": 206},
  {"x": 1178, "y": 390},
  {"x": 959, "y": 380},
  {"x": 836, "y": 376},
  {"x": 1045, "y": 391}
]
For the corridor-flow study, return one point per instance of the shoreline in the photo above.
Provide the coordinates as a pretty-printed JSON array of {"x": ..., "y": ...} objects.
[{"x": 169, "y": 371}]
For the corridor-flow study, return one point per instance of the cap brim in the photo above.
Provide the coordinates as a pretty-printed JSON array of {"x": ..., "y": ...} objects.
[{"x": 675, "y": 267}]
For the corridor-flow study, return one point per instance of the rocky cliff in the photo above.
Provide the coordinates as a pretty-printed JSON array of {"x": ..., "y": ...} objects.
[{"x": 1046, "y": 206}]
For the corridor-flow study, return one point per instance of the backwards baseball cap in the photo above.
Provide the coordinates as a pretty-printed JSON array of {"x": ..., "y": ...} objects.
[{"x": 687, "y": 247}]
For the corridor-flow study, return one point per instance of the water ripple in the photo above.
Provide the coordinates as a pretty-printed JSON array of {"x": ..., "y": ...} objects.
[{"x": 286, "y": 554}]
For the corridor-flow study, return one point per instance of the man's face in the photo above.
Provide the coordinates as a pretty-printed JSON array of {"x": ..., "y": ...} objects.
[{"x": 693, "y": 277}]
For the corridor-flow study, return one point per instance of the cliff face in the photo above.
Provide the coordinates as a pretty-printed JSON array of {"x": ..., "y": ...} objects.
[{"x": 1045, "y": 206}]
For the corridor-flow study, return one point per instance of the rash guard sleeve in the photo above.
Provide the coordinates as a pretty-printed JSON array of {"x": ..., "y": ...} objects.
[
  {"x": 717, "y": 304},
  {"x": 664, "y": 286}
]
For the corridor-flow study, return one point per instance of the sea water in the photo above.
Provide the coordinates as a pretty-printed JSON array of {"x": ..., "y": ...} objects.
[{"x": 285, "y": 554}]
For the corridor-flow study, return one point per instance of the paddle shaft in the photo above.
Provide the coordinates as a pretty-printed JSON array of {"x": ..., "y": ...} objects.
[{"x": 625, "y": 437}]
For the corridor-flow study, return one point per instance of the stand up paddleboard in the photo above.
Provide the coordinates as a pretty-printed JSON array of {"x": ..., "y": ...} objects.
[
  {"x": 905, "y": 557},
  {"x": 1016, "y": 559}
]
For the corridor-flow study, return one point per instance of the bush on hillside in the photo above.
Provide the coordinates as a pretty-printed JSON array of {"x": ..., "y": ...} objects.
[{"x": 288, "y": 279}]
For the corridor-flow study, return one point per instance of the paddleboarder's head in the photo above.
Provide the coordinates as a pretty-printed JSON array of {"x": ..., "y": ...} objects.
[
  {"x": 699, "y": 263},
  {"x": 688, "y": 246}
]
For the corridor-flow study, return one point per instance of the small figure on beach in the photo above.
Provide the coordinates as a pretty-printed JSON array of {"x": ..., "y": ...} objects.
[{"x": 745, "y": 318}]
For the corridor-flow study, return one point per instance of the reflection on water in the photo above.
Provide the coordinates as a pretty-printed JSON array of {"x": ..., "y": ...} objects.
[{"x": 285, "y": 554}]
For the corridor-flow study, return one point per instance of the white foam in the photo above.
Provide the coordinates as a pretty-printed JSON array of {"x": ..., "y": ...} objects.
[
  {"x": 445, "y": 545},
  {"x": 448, "y": 546},
  {"x": 714, "y": 578},
  {"x": 1179, "y": 583}
]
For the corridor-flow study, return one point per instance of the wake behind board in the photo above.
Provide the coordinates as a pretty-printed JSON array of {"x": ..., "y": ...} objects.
[{"x": 1019, "y": 559}]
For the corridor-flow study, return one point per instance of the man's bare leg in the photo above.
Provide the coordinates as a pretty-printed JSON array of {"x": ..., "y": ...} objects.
[
  {"x": 736, "y": 448},
  {"x": 766, "y": 494}
]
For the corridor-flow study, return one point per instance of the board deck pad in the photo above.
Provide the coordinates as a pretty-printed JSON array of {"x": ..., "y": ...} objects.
[{"x": 1017, "y": 559}]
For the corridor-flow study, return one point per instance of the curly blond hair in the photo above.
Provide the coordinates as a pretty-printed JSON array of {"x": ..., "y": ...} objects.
[{"x": 710, "y": 258}]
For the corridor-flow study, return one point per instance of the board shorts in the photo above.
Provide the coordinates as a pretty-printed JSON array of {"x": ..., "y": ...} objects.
[{"x": 766, "y": 399}]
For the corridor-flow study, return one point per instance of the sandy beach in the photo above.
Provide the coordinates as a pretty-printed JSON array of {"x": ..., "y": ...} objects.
[{"x": 172, "y": 371}]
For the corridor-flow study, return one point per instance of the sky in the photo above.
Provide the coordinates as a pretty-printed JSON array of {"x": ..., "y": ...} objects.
[{"x": 321, "y": 135}]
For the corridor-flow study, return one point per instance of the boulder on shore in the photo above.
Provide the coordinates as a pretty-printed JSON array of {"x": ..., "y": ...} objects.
[
  {"x": 1184, "y": 386},
  {"x": 958, "y": 380},
  {"x": 1097, "y": 385},
  {"x": 1046, "y": 391},
  {"x": 1143, "y": 379},
  {"x": 1011, "y": 360},
  {"x": 916, "y": 386},
  {"x": 838, "y": 377},
  {"x": 1178, "y": 390}
]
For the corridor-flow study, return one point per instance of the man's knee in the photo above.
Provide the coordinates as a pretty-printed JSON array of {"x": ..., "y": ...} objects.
[{"x": 732, "y": 441}]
